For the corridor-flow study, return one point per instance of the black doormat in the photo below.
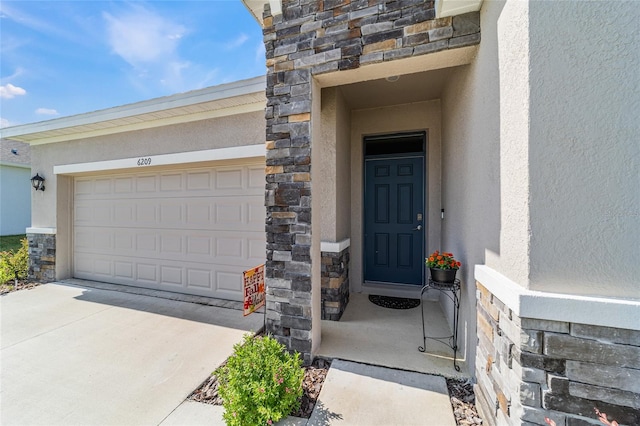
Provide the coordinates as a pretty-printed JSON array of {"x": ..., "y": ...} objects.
[{"x": 394, "y": 302}]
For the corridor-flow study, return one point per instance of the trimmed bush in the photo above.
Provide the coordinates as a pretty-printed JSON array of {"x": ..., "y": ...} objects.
[
  {"x": 260, "y": 383},
  {"x": 14, "y": 266}
]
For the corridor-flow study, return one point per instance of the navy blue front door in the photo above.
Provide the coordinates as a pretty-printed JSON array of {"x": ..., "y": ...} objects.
[{"x": 393, "y": 220}]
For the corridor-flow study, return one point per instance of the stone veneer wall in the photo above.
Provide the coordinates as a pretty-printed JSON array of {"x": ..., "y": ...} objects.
[
  {"x": 311, "y": 37},
  {"x": 42, "y": 257},
  {"x": 528, "y": 369},
  {"x": 335, "y": 284}
]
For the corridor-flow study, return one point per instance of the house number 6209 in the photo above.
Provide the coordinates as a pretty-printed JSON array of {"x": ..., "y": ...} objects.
[{"x": 144, "y": 161}]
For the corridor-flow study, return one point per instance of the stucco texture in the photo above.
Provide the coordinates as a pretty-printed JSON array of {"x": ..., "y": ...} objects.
[
  {"x": 237, "y": 130},
  {"x": 584, "y": 155},
  {"x": 335, "y": 173},
  {"x": 540, "y": 161}
]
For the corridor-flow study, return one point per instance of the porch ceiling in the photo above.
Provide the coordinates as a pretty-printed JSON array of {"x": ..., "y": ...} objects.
[{"x": 418, "y": 87}]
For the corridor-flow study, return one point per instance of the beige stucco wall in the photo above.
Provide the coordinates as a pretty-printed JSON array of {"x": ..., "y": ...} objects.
[
  {"x": 400, "y": 118},
  {"x": 473, "y": 181},
  {"x": 334, "y": 155},
  {"x": 544, "y": 125},
  {"x": 244, "y": 129},
  {"x": 52, "y": 208},
  {"x": 584, "y": 149},
  {"x": 486, "y": 127},
  {"x": 343, "y": 169}
]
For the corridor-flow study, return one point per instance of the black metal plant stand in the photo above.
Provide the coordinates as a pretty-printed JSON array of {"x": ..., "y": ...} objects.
[{"x": 452, "y": 291}]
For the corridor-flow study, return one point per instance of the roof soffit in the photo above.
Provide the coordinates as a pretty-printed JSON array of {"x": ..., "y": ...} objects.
[{"x": 217, "y": 101}]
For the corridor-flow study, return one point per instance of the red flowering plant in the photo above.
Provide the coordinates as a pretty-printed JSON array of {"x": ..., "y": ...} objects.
[{"x": 442, "y": 260}]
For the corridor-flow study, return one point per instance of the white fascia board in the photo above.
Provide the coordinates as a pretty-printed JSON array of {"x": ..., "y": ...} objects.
[
  {"x": 255, "y": 7},
  {"x": 231, "y": 153},
  {"x": 331, "y": 247},
  {"x": 209, "y": 94},
  {"x": 446, "y": 8},
  {"x": 617, "y": 313}
]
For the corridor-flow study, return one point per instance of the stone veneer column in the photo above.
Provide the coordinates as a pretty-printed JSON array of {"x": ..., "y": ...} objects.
[
  {"x": 528, "y": 369},
  {"x": 313, "y": 37},
  {"x": 42, "y": 257}
]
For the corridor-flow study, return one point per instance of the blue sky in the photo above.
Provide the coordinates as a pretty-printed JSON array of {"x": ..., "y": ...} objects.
[{"x": 61, "y": 58}]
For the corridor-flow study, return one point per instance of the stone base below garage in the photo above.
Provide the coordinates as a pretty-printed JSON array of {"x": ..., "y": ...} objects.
[
  {"x": 335, "y": 284},
  {"x": 42, "y": 257}
]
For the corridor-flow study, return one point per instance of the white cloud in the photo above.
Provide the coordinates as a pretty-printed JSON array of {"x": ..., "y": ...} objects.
[
  {"x": 149, "y": 42},
  {"x": 46, "y": 111},
  {"x": 9, "y": 91},
  {"x": 142, "y": 37},
  {"x": 5, "y": 123},
  {"x": 260, "y": 51},
  {"x": 237, "y": 42}
]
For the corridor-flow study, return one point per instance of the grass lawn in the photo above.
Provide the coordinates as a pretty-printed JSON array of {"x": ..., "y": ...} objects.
[{"x": 11, "y": 242}]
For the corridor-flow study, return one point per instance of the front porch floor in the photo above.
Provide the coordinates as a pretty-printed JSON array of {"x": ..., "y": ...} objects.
[{"x": 371, "y": 334}]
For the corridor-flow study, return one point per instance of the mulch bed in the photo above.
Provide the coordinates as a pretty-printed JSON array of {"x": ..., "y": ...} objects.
[
  {"x": 10, "y": 287},
  {"x": 460, "y": 392},
  {"x": 312, "y": 381},
  {"x": 463, "y": 402}
]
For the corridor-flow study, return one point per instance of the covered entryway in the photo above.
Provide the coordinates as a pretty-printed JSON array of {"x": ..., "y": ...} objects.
[{"x": 190, "y": 230}]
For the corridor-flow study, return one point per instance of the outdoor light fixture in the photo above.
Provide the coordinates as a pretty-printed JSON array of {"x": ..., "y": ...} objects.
[{"x": 37, "y": 182}]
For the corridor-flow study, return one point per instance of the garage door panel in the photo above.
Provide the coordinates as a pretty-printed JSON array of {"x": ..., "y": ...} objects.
[
  {"x": 199, "y": 181},
  {"x": 145, "y": 184},
  {"x": 123, "y": 269},
  {"x": 123, "y": 185},
  {"x": 198, "y": 245},
  {"x": 191, "y": 230},
  {"x": 171, "y": 214},
  {"x": 146, "y": 273},
  {"x": 171, "y": 245},
  {"x": 199, "y": 278},
  {"x": 171, "y": 182},
  {"x": 256, "y": 213},
  {"x": 233, "y": 247},
  {"x": 171, "y": 276}
]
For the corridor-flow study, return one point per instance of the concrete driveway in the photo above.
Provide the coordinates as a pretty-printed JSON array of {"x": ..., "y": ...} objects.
[{"x": 77, "y": 356}]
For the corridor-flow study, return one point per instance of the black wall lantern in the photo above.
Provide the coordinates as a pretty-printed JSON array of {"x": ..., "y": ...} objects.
[{"x": 37, "y": 182}]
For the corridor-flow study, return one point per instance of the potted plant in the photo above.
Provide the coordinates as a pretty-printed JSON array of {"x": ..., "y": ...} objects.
[{"x": 443, "y": 266}]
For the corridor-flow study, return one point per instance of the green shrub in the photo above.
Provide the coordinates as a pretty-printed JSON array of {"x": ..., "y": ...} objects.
[
  {"x": 261, "y": 382},
  {"x": 14, "y": 266}
]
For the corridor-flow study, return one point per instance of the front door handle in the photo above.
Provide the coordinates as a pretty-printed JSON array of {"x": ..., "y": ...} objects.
[{"x": 418, "y": 228}]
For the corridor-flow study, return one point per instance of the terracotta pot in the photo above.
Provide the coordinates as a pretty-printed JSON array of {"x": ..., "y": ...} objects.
[{"x": 443, "y": 275}]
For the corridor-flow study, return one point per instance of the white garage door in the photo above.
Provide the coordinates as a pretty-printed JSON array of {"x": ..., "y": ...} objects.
[{"x": 190, "y": 231}]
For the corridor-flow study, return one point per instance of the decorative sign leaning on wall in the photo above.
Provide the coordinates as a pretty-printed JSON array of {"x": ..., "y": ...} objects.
[{"x": 253, "y": 286}]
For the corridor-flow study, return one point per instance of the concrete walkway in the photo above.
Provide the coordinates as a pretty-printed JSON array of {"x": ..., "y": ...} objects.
[
  {"x": 80, "y": 356},
  {"x": 76, "y": 355},
  {"x": 355, "y": 394}
]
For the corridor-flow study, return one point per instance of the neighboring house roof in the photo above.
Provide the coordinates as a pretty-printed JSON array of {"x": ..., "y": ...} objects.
[
  {"x": 216, "y": 101},
  {"x": 14, "y": 153}
]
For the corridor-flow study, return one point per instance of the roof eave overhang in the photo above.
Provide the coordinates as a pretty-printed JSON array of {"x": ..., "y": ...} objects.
[
  {"x": 444, "y": 8},
  {"x": 216, "y": 101}
]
